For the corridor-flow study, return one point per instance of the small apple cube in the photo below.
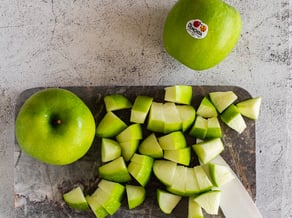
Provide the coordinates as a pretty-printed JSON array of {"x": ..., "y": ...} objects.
[
  {"x": 222, "y": 100},
  {"x": 167, "y": 201},
  {"x": 194, "y": 209},
  {"x": 202, "y": 178},
  {"x": 96, "y": 207},
  {"x": 132, "y": 132},
  {"x": 172, "y": 121},
  {"x": 206, "y": 109},
  {"x": 142, "y": 159},
  {"x": 180, "y": 156},
  {"x": 214, "y": 128},
  {"x": 172, "y": 141},
  {"x": 115, "y": 171},
  {"x": 113, "y": 188},
  {"x": 156, "y": 118},
  {"x": 135, "y": 195},
  {"x": 141, "y": 171},
  {"x": 129, "y": 148},
  {"x": 209, "y": 201},
  {"x": 250, "y": 108},
  {"x": 140, "y": 109},
  {"x": 200, "y": 127},
  {"x": 110, "y": 126},
  {"x": 164, "y": 170},
  {"x": 208, "y": 150},
  {"x": 116, "y": 102},
  {"x": 75, "y": 199},
  {"x": 179, "y": 181},
  {"x": 191, "y": 184},
  {"x": 181, "y": 94},
  {"x": 110, "y": 149},
  {"x": 220, "y": 174},
  {"x": 232, "y": 118},
  {"x": 187, "y": 115},
  {"x": 150, "y": 146}
]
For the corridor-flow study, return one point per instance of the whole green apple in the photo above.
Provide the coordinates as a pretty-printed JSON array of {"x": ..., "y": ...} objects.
[
  {"x": 201, "y": 33},
  {"x": 55, "y": 126}
]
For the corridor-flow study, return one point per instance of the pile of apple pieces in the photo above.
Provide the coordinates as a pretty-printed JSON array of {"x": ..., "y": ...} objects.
[{"x": 127, "y": 155}]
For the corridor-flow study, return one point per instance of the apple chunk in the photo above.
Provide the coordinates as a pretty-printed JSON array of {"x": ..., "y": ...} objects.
[
  {"x": 116, "y": 102},
  {"x": 156, "y": 118},
  {"x": 150, "y": 146},
  {"x": 250, "y": 108},
  {"x": 167, "y": 201},
  {"x": 172, "y": 141},
  {"x": 187, "y": 115},
  {"x": 75, "y": 199},
  {"x": 181, "y": 94},
  {"x": 172, "y": 121},
  {"x": 206, "y": 109},
  {"x": 164, "y": 170},
  {"x": 135, "y": 195},
  {"x": 209, "y": 201},
  {"x": 140, "y": 109},
  {"x": 180, "y": 156},
  {"x": 232, "y": 118},
  {"x": 110, "y": 149},
  {"x": 222, "y": 100}
]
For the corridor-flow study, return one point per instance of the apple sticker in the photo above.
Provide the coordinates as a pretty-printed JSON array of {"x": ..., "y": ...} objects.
[{"x": 197, "y": 29}]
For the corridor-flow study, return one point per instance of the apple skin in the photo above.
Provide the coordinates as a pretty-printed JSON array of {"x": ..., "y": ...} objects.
[
  {"x": 55, "y": 126},
  {"x": 224, "y": 27}
]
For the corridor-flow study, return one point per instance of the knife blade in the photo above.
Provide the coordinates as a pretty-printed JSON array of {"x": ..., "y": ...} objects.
[{"x": 235, "y": 200}]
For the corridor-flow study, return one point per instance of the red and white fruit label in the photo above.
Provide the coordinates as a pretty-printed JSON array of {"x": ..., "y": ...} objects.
[{"x": 197, "y": 29}]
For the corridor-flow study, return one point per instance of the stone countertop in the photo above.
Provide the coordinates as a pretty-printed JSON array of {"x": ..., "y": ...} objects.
[{"x": 91, "y": 43}]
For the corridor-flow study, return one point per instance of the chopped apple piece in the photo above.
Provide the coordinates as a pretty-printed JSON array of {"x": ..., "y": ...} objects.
[
  {"x": 116, "y": 102},
  {"x": 179, "y": 180},
  {"x": 129, "y": 148},
  {"x": 209, "y": 201},
  {"x": 191, "y": 184},
  {"x": 250, "y": 108},
  {"x": 135, "y": 195},
  {"x": 187, "y": 115},
  {"x": 220, "y": 174},
  {"x": 180, "y": 156},
  {"x": 75, "y": 199},
  {"x": 222, "y": 100},
  {"x": 140, "y": 109},
  {"x": 172, "y": 141},
  {"x": 202, "y": 178},
  {"x": 156, "y": 118},
  {"x": 232, "y": 118},
  {"x": 214, "y": 128},
  {"x": 194, "y": 209},
  {"x": 113, "y": 188},
  {"x": 206, "y": 109},
  {"x": 164, "y": 170},
  {"x": 132, "y": 132},
  {"x": 96, "y": 207},
  {"x": 172, "y": 121},
  {"x": 110, "y": 149},
  {"x": 150, "y": 146},
  {"x": 200, "y": 127},
  {"x": 181, "y": 94},
  {"x": 167, "y": 201}
]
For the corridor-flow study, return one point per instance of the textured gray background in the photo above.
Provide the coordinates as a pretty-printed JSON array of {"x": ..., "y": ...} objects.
[{"x": 103, "y": 42}]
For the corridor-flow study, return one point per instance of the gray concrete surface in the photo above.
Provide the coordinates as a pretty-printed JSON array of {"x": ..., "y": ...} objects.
[{"x": 103, "y": 42}]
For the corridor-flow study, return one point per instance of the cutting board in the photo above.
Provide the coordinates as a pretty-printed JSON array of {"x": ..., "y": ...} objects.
[{"x": 39, "y": 187}]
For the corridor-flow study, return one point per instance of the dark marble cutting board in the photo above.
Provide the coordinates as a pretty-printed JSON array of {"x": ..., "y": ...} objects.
[{"x": 39, "y": 187}]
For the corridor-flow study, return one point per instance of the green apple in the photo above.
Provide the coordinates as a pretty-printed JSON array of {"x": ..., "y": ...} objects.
[
  {"x": 250, "y": 108},
  {"x": 135, "y": 195},
  {"x": 191, "y": 183},
  {"x": 206, "y": 109},
  {"x": 201, "y": 33},
  {"x": 209, "y": 201},
  {"x": 181, "y": 94},
  {"x": 110, "y": 149},
  {"x": 208, "y": 150},
  {"x": 110, "y": 125},
  {"x": 142, "y": 159},
  {"x": 96, "y": 207},
  {"x": 179, "y": 180},
  {"x": 140, "y": 109},
  {"x": 116, "y": 102},
  {"x": 132, "y": 132},
  {"x": 220, "y": 174},
  {"x": 140, "y": 172},
  {"x": 187, "y": 115},
  {"x": 113, "y": 188},
  {"x": 172, "y": 121},
  {"x": 156, "y": 118},
  {"x": 194, "y": 209},
  {"x": 200, "y": 127},
  {"x": 55, "y": 126},
  {"x": 232, "y": 118},
  {"x": 115, "y": 171},
  {"x": 172, "y": 141},
  {"x": 214, "y": 128},
  {"x": 75, "y": 199},
  {"x": 202, "y": 178},
  {"x": 150, "y": 146},
  {"x": 180, "y": 156},
  {"x": 129, "y": 148},
  {"x": 164, "y": 170},
  {"x": 222, "y": 100},
  {"x": 167, "y": 201}
]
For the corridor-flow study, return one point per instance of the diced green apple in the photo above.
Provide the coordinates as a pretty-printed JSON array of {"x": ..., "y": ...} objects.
[
  {"x": 142, "y": 159},
  {"x": 156, "y": 118},
  {"x": 222, "y": 100},
  {"x": 180, "y": 156},
  {"x": 167, "y": 201},
  {"x": 206, "y": 109},
  {"x": 209, "y": 201},
  {"x": 96, "y": 207},
  {"x": 181, "y": 94},
  {"x": 140, "y": 109},
  {"x": 208, "y": 150},
  {"x": 220, "y": 174},
  {"x": 116, "y": 102},
  {"x": 110, "y": 149},
  {"x": 202, "y": 178},
  {"x": 75, "y": 199},
  {"x": 135, "y": 195},
  {"x": 115, "y": 171},
  {"x": 113, "y": 188},
  {"x": 191, "y": 184},
  {"x": 200, "y": 127},
  {"x": 164, "y": 170},
  {"x": 172, "y": 141},
  {"x": 194, "y": 209},
  {"x": 187, "y": 115},
  {"x": 141, "y": 171},
  {"x": 132, "y": 132},
  {"x": 110, "y": 126},
  {"x": 172, "y": 121},
  {"x": 150, "y": 146},
  {"x": 214, "y": 128},
  {"x": 250, "y": 108},
  {"x": 178, "y": 183},
  {"x": 129, "y": 148},
  {"x": 232, "y": 118}
]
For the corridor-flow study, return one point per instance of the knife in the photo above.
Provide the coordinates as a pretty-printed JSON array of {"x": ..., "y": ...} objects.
[{"x": 235, "y": 200}]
